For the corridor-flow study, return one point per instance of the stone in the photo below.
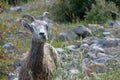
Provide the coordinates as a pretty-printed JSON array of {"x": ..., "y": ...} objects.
[
  {"x": 18, "y": 8},
  {"x": 8, "y": 47},
  {"x": 102, "y": 60},
  {"x": 82, "y": 31},
  {"x": 111, "y": 42},
  {"x": 74, "y": 71},
  {"x": 100, "y": 54},
  {"x": 96, "y": 28},
  {"x": 84, "y": 47},
  {"x": 106, "y": 42},
  {"x": 113, "y": 23},
  {"x": 76, "y": 32},
  {"x": 68, "y": 35},
  {"x": 12, "y": 76},
  {"x": 106, "y": 33},
  {"x": 72, "y": 49},
  {"x": 94, "y": 48},
  {"x": 15, "y": 79},
  {"x": 59, "y": 50}
]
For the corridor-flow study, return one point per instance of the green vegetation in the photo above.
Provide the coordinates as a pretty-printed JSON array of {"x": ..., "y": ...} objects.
[
  {"x": 101, "y": 11},
  {"x": 96, "y": 11}
]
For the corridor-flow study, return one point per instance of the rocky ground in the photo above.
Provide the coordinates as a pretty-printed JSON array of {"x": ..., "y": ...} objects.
[{"x": 86, "y": 51}]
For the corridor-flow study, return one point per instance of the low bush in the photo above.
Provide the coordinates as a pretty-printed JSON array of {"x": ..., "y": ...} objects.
[{"x": 101, "y": 11}]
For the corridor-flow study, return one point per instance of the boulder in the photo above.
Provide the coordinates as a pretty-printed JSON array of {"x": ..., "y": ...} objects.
[
  {"x": 68, "y": 35},
  {"x": 82, "y": 31}
]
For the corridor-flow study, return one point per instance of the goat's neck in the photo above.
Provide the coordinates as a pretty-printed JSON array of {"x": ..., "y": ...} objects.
[
  {"x": 37, "y": 48},
  {"x": 36, "y": 55}
]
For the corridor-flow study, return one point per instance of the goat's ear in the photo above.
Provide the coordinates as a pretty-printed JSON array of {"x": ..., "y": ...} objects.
[{"x": 26, "y": 25}]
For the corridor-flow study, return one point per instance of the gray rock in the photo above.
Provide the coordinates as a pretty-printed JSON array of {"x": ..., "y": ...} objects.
[
  {"x": 59, "y": 50},
  {"x": 99, "y": 55},
  {"x": 96, "y": 28},
  {"x": 73, "y": 74},
  {"x": 113, "y": 24},
  {"x": 82, "y": 31},
  {"x": 84, "y": 47},
  {"x": 9, "y": 47},
  {"x": 12, "y": 76},
  {"x": 68, "y": 35},
  {"x": 76, "y": 32},
  {"x": 72, "y": 49},
  {"x": 106, "y": 33},
  {"x": 106, "y": 42},
  {"x": 18, "y": 8},
  {"x": 94, "y": 48},
  {"x": 102, "y": 60},
  {"x": 15, "y": 79}
]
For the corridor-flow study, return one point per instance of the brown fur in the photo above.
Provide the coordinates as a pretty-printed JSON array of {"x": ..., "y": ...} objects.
[{"x": 38, "y": 65}]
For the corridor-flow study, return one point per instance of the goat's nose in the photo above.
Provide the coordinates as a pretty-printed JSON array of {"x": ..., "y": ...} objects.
[{"x": 42, "y": 34}]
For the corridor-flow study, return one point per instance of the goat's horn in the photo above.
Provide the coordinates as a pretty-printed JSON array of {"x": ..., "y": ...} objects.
[
  {"x": 45, "y": 13},
  {"x": 31, "y": 18}
]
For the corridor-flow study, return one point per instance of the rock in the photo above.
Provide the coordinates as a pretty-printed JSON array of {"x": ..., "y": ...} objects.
[
  {"x": 112, "y": 23},
  {"x": 106, "y": 33},
  {"x": 15, "y": 79},
  {"x": 91, "y": 55},
  {"x": 94, "y": 48},
  {"x": 84, "y": 47},
  {"x": 72, "y": 49},
  {"x": 106, "y": 42},
  {"x": 102, "y": 60},
  {"x": 12, "y": 76},
  {"x": 17, "y": 8},
  {"x": 82, "y": 31},
  {"x": 100, "y": 54},
  {"x": 76, "y": 32},
  {"x": 59, "y": 50},
  {"x": 96, "y": 28},
  {"x": 73, "y": 72},
  {"x": 68, "y": 35},
  {"x": 9, "y": 47},
  {"x": 111, "y": 42}
]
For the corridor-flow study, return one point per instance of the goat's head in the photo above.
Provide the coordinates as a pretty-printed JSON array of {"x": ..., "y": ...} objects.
[{"x": 38, "y": 28}]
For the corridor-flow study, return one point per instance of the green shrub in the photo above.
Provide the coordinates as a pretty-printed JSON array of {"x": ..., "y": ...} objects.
[
  {"x": 117, "y": 2},
  {"x": 70, "y": 10},
  {"x": 4, "y": 3},
  {"x": 101, "y": 11}
]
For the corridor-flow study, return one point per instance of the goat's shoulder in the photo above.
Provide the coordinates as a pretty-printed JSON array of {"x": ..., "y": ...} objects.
[
  {"x": 48, "y": 58},
  {"x": 53, "y": 52}
]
